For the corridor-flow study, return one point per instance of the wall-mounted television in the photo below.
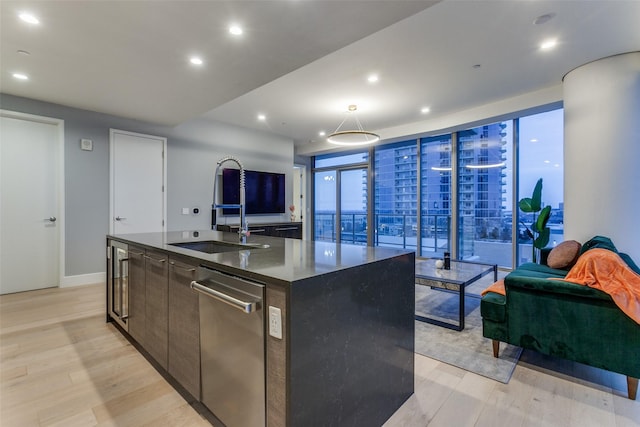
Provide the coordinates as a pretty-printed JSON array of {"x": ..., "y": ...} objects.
[{"x": 264, "y": 192}]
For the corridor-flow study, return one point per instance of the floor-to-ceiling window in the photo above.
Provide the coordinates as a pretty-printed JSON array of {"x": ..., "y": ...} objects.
[
  {"x": 484, "y": 212},
  {"x": 435, "y": 192},
  {"x": 396, "y": 195},
  {"x": 452, "y": 192},
  {"x": 541, "y": 156}
]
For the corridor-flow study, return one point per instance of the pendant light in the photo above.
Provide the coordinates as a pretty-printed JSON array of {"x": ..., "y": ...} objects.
[{"x": 358, "y": 136}]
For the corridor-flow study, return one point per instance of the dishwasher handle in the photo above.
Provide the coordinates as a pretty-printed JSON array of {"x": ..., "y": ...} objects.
[{"x": 244, "y": 306}]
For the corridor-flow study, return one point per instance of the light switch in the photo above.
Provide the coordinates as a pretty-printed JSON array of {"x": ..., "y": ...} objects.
[
  {"x": 185, "y": 211},
  {"x": 275, "y": 322}
]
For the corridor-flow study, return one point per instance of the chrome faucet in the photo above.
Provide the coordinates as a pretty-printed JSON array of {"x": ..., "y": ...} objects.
[{"x": 243, "y": 232}]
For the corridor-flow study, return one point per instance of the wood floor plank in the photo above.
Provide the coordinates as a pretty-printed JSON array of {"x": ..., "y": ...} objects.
[{"x": 465, "y": 403}]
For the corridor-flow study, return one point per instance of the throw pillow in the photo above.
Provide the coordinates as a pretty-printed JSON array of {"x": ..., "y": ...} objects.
[{"x": 564, "y": 255}]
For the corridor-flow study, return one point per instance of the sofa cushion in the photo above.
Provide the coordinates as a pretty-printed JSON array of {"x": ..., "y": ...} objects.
[
  {"x": 565, "y": 255},
  {"x": 598, "y": 242},
  {"x": 493, "y": 307},
  {"x": 539, "y": 270}
]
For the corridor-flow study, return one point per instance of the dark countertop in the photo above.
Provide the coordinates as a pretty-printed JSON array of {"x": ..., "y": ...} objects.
[{"x": 286, "y": 260}]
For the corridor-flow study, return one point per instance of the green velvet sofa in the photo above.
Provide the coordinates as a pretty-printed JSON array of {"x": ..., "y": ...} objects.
[{"x": 563, "y": 319}]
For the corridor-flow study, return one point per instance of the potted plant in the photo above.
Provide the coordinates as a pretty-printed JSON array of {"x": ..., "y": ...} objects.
[{"x": 539, "y": 232}]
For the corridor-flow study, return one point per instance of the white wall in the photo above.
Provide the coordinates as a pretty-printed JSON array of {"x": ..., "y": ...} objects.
[
  {"x": 602, "y": 152},
  {"x": 193, "y": 149},
  {"x": 192, "y": 161}
]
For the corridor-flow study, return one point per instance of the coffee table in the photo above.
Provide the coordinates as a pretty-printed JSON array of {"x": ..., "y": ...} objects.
[{"x": 461, "y": 274}]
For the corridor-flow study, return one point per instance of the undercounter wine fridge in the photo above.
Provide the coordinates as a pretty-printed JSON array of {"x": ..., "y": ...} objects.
[{"x": 117, "y": 280}]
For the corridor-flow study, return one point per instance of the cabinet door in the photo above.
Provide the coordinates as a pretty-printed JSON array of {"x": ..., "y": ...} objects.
[
  {"x": 291, "y": 231},
  {"x": 137, "y": 298},
  {"x": 184, "y": 330},
  {"x": 157, "y": 297}
]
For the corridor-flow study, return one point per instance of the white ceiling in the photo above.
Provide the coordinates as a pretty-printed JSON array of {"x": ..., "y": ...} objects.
[{"x": 301, "y": 62}]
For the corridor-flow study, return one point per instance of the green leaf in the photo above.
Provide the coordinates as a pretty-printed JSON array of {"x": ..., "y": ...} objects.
[
  {"x": 536, "y": 198},
  {"x": 525, "y": 205},
  {"x": 541, "y": 222},
  {"x": 543, "y": 238}
]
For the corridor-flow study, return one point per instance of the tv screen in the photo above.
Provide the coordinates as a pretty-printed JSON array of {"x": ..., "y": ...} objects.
[{"x": 264, "y": 192}]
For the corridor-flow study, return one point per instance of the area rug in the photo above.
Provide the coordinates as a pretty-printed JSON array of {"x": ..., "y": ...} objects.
[{"x": 466, "y": 349}]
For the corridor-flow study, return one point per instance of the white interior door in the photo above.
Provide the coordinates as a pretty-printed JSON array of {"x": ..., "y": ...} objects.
[
  {"x": 30, "y": 203},
  {"x": 137, "y": 183}
]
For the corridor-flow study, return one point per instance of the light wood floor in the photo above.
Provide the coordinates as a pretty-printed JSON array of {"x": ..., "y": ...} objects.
[{"x": 62, "y": 365}]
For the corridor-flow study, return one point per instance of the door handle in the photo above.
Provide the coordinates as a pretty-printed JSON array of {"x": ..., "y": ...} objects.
[
  {"x": 247, "y": 307},
  {"x": 118, "y": 218},
  {"x": 51, "y": 219}
]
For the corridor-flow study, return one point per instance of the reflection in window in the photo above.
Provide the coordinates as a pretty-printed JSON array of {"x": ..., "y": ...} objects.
[
  {"x": 435, "y": 180},
  {"x": 396, "y": 195},
  {"x": 484, "y": 212}
]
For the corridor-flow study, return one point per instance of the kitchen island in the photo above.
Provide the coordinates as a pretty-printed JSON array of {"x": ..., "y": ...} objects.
[{"x": 346, "y": 352}]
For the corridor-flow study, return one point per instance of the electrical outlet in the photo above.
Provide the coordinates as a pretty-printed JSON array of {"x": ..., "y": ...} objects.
[{"x": 275, "y": 322}]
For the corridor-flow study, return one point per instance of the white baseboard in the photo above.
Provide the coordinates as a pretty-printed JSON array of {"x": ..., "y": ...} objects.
[{"x": 83, "y": 279}]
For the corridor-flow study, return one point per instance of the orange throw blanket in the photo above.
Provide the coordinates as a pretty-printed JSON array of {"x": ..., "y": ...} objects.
[
  {"x": 604, "y": 270},
  {"x": 497, "y": 287}
]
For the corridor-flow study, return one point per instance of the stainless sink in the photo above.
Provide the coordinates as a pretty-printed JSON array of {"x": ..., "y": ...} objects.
[{"x": 216, "y": 246}]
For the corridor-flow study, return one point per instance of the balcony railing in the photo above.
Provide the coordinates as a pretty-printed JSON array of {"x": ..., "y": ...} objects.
[
  {"x": 391, "y": 230},
  {"x": 486, "y": 239}
]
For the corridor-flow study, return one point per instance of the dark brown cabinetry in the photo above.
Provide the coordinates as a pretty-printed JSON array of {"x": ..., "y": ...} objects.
[
  {"x": 291, "y": 230},
  {"x": 184, "y": 329},
  {"x": 137, "y": 298},
  {"x": 157, "y": 303}
]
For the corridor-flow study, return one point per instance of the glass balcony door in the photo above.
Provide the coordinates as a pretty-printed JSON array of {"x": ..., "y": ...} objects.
[
  {"x": 346, "y": 189},
  {"x": 325, "y": 202},
  {"x": 353, "y": 206}
]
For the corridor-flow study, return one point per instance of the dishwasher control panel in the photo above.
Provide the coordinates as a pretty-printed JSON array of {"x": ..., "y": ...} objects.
[{"x": 275, "y": 322}]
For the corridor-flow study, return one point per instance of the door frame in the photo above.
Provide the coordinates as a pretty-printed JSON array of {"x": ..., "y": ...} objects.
[
  {"x": 112, "y": 148},
  {"x": 301, "y": 170},
  {"x": 59, "y": 124}
]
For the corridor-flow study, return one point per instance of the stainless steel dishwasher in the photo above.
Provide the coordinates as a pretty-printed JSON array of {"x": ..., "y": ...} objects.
[{"x": 232, "y": 351}]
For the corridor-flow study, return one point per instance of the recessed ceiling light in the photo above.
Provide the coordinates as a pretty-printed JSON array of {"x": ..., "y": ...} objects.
[
  {"x": 547, "y": 161},
  {"x": 533, "y": 140},
  {"x": 548, "y": 44},
  {"x": 28, "y": 18},
  {"x": 195, "y": 60},
  {"x": 20, "y": 76},
  {"x": 425, "y": 110},
  {"x": 543, "y": 18},
  {"x": 262, "y": 117},
  {"x": 322, "y": 133},
  {"x": 236, "y": 30},
  {"x": 373, "y": 78}
]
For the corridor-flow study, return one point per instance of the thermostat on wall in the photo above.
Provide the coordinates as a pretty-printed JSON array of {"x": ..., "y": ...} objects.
[{"x": 86, "y": 144}]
